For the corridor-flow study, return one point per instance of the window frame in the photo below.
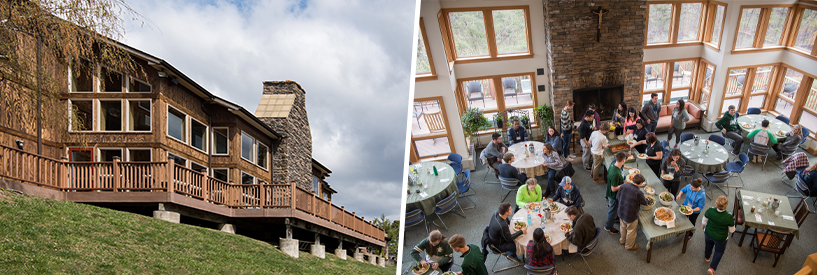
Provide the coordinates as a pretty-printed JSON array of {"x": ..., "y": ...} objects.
[
  {"x": 709, "y": 28},
  {"x": 665, "y": 92},
  {"x": 184, "y": 120},
  {"x": 254, "y": 178},
  {"x": 487, "y": 17},
  {"x": 94, "y": 74},
  {"x": 93, "y": 115},
  {"x": 462, "y": 100},
  {"x": 762, "y": 26},
  {"x": 98, "y": 150},
  {"x": 204, "y": 135},
  {"x": 414, "y": 156},
  {"x": 122, "y": 79},
  {"x": 186, "y": 160},
  {"x": 266, "y": 155},
  {"x": 206, "y": 169},
  {"x": 675, "y": 19},
  {"x": 252, "y": 148},
  {"x": 749, "y": 82},
  {"x": 799, "y": 101},
  {"x": 700, "y": 84},
  {"x": 430, "y": 75},
  {"x": 100, "y": 114},
  {"x": 795, "y": 28},
  {"x": 89, "y": 149},
  {"x": 128, "y": 118},
  {"x": 213, "y": 143},
  {"x": 128, "y": 150},
  {"x": 128, "y": 86},
  {"x": 213, "y": 172}
]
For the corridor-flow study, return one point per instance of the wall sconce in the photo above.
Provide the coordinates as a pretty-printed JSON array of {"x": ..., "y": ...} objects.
[
  {"x": 162, "y": 74},
  {"x": 20, "y": 144}
]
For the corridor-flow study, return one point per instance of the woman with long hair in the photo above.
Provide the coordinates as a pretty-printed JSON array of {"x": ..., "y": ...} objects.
[
  {"x": 631, "y": 118},
  {"x": 554, "y": 163},
  {"x": 672, "y": 164},
  {"x": 539, "y": 250},
  {"x": 678, "y": 122},
  {"x": 639, "y": 131},
  {"x": 437, "y": 252},
  {"x": 655, "y": 153},
  {"x": 619, "y": 115},
  {"x": 553, "y": 138},
  {"x": 529, "y": 193}
]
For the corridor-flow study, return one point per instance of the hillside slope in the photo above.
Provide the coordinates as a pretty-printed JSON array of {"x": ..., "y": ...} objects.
[{"x": 40, "y": 236}]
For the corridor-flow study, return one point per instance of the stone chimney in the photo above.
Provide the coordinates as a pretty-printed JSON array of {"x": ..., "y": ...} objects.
[{"x": 283, "y": 108}]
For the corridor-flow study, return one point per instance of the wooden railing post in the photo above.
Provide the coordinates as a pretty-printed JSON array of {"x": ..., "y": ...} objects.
[
  {"x": 63, "y": 174},
  {"x": 116, "y": 179},
  {"x": 231, "y": 200},
  {"x": 292, "y": 189},
  {"x": 354, "y": 222},
  {"x": 343, "y": 216},
  {"x": 170, "y": 175},
  {"x": 204, "y": 182},
  {"x": 314, "y": 199}
]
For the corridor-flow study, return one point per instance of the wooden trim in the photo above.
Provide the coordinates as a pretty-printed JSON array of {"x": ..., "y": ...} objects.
[
  {"x": 447, "y": 134},
  {"x": 675, "y": 23},
  {"x": 490, "y": 34},
  {"x": 793, "y": 50},
  {"x": 757, "y": 50},
  {"x": 667, "y": 45},
  {"x": 445, "y": 32},
  {"x": 487, "y": 15},
  {"x": 424, "y": 77},
  {"x": 477, "y": 59},
  {"x": 433, "y": 74}
]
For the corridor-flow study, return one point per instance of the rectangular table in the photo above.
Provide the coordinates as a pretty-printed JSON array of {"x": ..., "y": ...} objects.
[
  {"x": 653, "y": 232},
  {"x": 767, "y": 218}
]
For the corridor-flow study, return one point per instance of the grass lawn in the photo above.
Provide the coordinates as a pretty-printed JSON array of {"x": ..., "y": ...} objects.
[{"x": 42, "y": 236}]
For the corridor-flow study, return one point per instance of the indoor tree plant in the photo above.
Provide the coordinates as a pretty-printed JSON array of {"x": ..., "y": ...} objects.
[
  {"x": 473, "y": 121},
  {"x": 498, "y": 120},
  {"x": 544, "y": 114}
]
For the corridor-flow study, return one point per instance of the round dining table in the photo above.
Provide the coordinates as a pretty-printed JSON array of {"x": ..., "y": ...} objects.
[
  {"x": 749, "y": 123},
  {"x": 704, "y": 162},
  {"x": 532, "y": 165},
  {"x": 551, "y": 228},
  {"x": 433, "y": 189}
]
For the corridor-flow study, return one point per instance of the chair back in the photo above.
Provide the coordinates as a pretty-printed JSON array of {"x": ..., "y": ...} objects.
[
  {"x": 509, "y": 183},
  {"x": 738, "y": 213},
  {"x": 741, "y": 79},
  {"x": 474, "y": 87},
  {"x": 774, "y": 241},
  {"x": 805, "y": 132},
  {"x": 532, "y": 270},
  {"x": 753, "y": 111},
  {"x": 801, "y": 212},
  {"x": 648, "y": 70},
  {"x": 687, "y": 136},
  {"x": 759, "y": 149},
  {"x": 414, "y": 217},
  {"x": 508, "y": 83},
  {"x": 446, "y": 204},
  {"x": 588, "y": 249},
  {"x": 455, "y": 158},
  {"x": 720, "y": 176},
  {"x": 783, "y": 119},
  {"x": 789, "y": 87},
  {"x": 665, "y": 145},
  {"x": 435, "y": 121},
  {"x": 716, "y": 138},
  {"x": 802, "y": 187},
  {"x": 457, "y": 168},
  {"x": 465, "y": 184},
  {"x": 688, "y": 170}
]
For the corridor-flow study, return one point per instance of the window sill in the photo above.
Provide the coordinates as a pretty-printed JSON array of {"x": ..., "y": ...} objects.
[
  {"x": 712, "y": 46},
  {"x": 465, "y": 60},
  {"x": 800, "y": 52},
  {"x": 757, "y": 50},
  {"x": 425, "y": 77},
  {"x": 669, "y": 45}
]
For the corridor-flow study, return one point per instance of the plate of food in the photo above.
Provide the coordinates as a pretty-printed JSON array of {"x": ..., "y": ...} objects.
[
  {"x": 554, "y": 207},
  {"x": 649, "y": 190},
  {"x": 547, "y": 237},
  {"x": 621, "y": 137},
  {"x": 663, "y": 215},
  {"x": 746, "y": 125},
  {"x": 780, "y": 133},
  {"x": 650, "y": 202},
  {"x": 566, "y": 225},
  {"x": 419, "y": 269},
  {"x": 667, "y": 176},
  {"x": 534, "y": 205},
  {"x": 635, "y": 171},
  {"x": 629, "y": 177},
  {"x": 642, "y": 156},
  {"x": 630, "y": 142},
  {"x": 686, "y": 210},
  {"x": 518, "y": 225},
  {"x": 450, "y": 273},
  {"x": 666, "y": 198}
]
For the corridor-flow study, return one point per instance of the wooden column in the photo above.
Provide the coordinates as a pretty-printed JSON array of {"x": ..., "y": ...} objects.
[
  {"x": 169, "y": 176},
  {"x": 117, "y": 180},
  {"x": 63, "y": 174},
  {"x": 204, "y": 183},
  {"x": 314, "y": 210},
  {"x": 263, "y": 194}
]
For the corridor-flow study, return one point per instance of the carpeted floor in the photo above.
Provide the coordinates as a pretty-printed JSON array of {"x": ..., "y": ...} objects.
[{"x": 666, "y": 255}]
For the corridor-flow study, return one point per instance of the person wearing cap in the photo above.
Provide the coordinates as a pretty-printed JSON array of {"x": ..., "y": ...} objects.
[{"x": 568, "y": 194}]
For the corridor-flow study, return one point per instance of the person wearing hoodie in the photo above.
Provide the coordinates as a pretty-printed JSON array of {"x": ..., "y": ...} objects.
[
  {"x": 728, "y": 124},
  {"x": 568, "y": 194}
]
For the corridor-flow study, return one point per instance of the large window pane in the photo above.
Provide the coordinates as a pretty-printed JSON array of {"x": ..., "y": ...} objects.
[
  {"x": 709, "y": 77},
  {"x": 763, "y": 77},
  {"x": 177, "y": 159},
  {"x": 679, "y": 94},
  {"x": 791, "y": 83},
  {"x": 807, "y": 31},
  {"x": 509, "y": 28},
  {"x": 262, "y": 156},
  {"x": 689, "y": 22},
  {"x": 220, "y": 141},
  {"x": 748, "y": 28},
  {"x": 704, "y": 102},
  {"x": 82, "y": 155},
  {"x": 737, "y": 78},
  {"x": 222, "y": 174},
  {"x": 109, "y": 154},
  {"x": 682, "y": 73},
  {"x": 423, "y": 65},
  {"x": 783, "y": 107},
  {"x": 517, "y": 91},
  {"x": 198, "y": 135},
  {"x": 730, "y": 102},
  {"x": 137, "y": 86},
  {"x": 658, "y": 27},
  {"x": 83, "y": 115},
  {"x": 82, "y": 76},
  {"x": 468, "y": 29},
  {"x": 774, "y": 31},
  {"x": 246, "y": 147},
  {"x": 654, "y": 76},
  {"x": 139, "y": 115},
  {"x": 176, "y": 124},
  {"x": 756, "y": 101},
  {"x": 647, "y": 97},
  {"x": 811, "y": 100},
  {"x": 717, "y": 25},
  {"x": 480, "y": 94},
  {"x": 111, "y": 81},
  {"x": 432, "y": 147},
  {"x": 247, "y": 178},
  {"x": 808, "y": 120},
  {"x": 427, "y": 118},
  {"x": 139, "y": 155},
  {"x": 110, "y": 115}
]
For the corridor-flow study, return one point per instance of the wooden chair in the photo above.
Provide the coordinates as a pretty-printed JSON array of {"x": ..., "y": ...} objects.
[
  {"x": 737, "y": 213},
  {"x": 435, "y": 123},
  {"x": 801, "y": 212},
  {"x": 772, "y": 241}
]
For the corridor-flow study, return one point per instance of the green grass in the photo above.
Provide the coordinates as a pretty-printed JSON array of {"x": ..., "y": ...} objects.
[{"x": 42, "y": 236}]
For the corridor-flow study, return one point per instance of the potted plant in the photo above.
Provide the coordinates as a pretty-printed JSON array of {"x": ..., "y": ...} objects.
[
  {"x": 544, "y": 114},
  {"x": 498, "y": 121},
  {"x": 524, "y": 120},
  {"x": 472, "y": 122}
]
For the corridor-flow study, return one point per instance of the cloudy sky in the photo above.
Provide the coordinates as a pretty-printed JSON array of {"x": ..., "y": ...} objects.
[{"x": 353, "y": 58}]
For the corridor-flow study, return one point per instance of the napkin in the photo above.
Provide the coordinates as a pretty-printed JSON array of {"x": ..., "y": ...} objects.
[
  {"x": 745, "y": 203},
  {"x": 745, "y": 197},
  {"x": 671, "y": 224},
  {"x": 719, "y": 160},
  {"x": 757, "y": 217},
  {"x": 771, "y": 223},
  {"x": 785, "y": 217},
  {"x": 423, "y": 194},
  {"x": 442, "y": 169},
  {"x": 445, "y": 180}
]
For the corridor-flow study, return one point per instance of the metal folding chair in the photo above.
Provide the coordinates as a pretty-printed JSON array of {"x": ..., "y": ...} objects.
[
  {"x": 464, "y": 186},
  {"x": 510, "y": 184},
  {"x": 447, "y": 205},
  {"x": 719, "y": 177},
  {"x": 761, "y": 150},
  {"x": 587, "y": 250},
  {"x": 499, "y": 254},
  {"x": 416, "y": 217},
  {"x": 736, "y": 167}
]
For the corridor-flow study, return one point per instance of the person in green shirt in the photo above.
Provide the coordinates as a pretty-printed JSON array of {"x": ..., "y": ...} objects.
[
  {"x": 614, "y": 180},
  {"x": 769, "y": 139},
  {"x": 437, "y": 250},
  {"x": 531, "y": 192},
  {"x": 717, "y": 224},
  {"x": 473, "y": 262},
  {"x": 728, "y": 124}
]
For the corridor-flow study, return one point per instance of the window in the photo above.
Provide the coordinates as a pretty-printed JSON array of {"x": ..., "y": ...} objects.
[
  {"x": 254, "y": 151},
  {"x": 777, "y": 23},
  {"x": 316, "y": 185},
  {"x": 80, "y": 154},
  {"x": 654, "y": 77},
  {"x": 107, "y": 154},
  {"x": 658, "y": 26},
  {"x": 176, "y": 124},
  {"x": 135, "y": 154},
  {"x": 806, "y": 32},
  {"x": 198, "y": 135},
  {"x": 197, "y": 167},
  {"x": 177, "y": 159},
  {"x": 716, "y": 14},
  {"x": 424, "y": 69},
  {"x": 262, "y": 156},
  {"x": 747, "y": 28},
  {"x": 82, "y": 80},
  {"x": 674, "y": 23},
  {"x": 139, "y": 112},
  {"x": 690, "y": 22},
  {"x": 495, "y": 94},
  {"x": 788, "y": 91},
  {"x": 760, "y": 86},
  {"x": 110, "y": 115},
  {"x": 220, "y": 141},
  {"x": 247, "y": 147},
  {"x": 808, "y": 117},
  {"x": 247, "y": 178},
  {"x": 489, "y": 33},
  {"x": 111, "y": 80},
  {"x": 748, "y": 87},
  {"x": 708, "y": 74},
  {"x": 429, "y": 130},
  {"x": 138, "y": 86},
  {"x": 671, "y": 79},
  {"x": 82, "y": 115},
  {"x": 222, "y": 174},
  {"x": 761, "y": 26}
]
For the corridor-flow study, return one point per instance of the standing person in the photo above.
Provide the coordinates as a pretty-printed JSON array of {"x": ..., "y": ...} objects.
[
  {"x": 473, "y": 263},
  {"x": 655, "y": 153},
  {"x": 639, "y": 131},
  {"x": 596, "y": 117},
  {"x": 585, "y": 130},
  {"x": 629, "y": 199},
  {"x": 495, "y": 151},
  {"x": 619, "y": 117},
  {"x": 762, "y": 136},
  {"x": 438, "y": 252},
  {"x": 599, "y": 142},
  {"x": 554, "y": 163},
  {"x": 554, "y": 139},
  {"x": 631, "y": 118},
  {"x": 728, "y": 124},
  {"x": 650, "y": 112},
  {"x": 517, "y": 133},
  {"x": 532, "y": 192},
  {"x": 614, "y": 181},
  {"x": 506, "y": 170},
  {"x": 584, "y": 228},
  {"x": 717, "y": 225},
  {"x": 567, "y": 127},
  {"x": 568, "y": 194},
  {"x": 809, "y": 177},
  {"x": 793, "y": 139},
  {"x": 695, "y": 199},
  {"x": 499, "y": 232},
  {"x": 674, "y": 165},
  {"x": 540, "y": 253},
  {"x": 679, "y": 122}
]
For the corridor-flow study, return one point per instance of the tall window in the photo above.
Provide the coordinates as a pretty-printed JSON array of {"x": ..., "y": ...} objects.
[
  {"x": 806, "y": 31},
  {"x": 316, "y": 185},
  {"x": 82, "y": 76},
  {"x": 715, "y": 24},
  {"x": 705, "y": 95},
  {"x": 198, "y": 135},
  {"x": 674, "y": 23},
  {"x": 788, "y": 91},
  {"x": 748, "y": 87},
  {"x": 671, "y": 80},
  {"x": 658, "y": 26},
  {"x": 254, "y": 151},
  {"x": 261, "y": 160},
  {"x": 495, "y": 94},
  {"x": 747, "y": 28},
  {"x": 489, "y": 33},
  {"x": 761, "y": 27},
  {"x": 221, "y": 141},
  {"x": 425, "y": 66},
  {"x": 139, "y": 112},
  {"x": 760, "y": 86},
  {"x": 111, "y": 81},
  {"x": 247, "y": 149},
  {"x": 82, "y": 115},
  {"x": 775, "y": 26},
  {"x": 430, "y": 136},
  {"x": 690, "y": 22},
  {"x": 808, "y": 117},
  {"x": 176, "y": 124}
]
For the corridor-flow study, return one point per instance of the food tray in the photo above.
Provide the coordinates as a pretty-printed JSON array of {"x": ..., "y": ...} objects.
[
  {"x": 663, "y": 202},
  {"x": 660, "y": 222},
  {"x": 619, "y": 147}
]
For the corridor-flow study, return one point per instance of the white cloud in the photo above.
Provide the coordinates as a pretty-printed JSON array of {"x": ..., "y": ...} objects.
[{"x": 351, "y": 57}]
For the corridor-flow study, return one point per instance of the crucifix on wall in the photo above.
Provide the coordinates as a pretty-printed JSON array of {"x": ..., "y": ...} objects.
[{"x": 600, "y": 12}]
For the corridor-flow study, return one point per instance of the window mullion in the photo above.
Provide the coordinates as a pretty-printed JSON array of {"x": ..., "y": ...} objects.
[
  {"x": 676, "y": 18},
  {"x": 488, "y": 16},
  {"x": 496, "y": 86},
  {"x": 762, "y": 25},
  {"x": 802, "y": 94}
]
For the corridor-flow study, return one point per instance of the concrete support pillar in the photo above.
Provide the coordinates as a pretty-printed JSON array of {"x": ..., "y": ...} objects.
[
  {"x": 226, "y": 227},
  {"x": 359, "y": 257},
  {"x": 381, "y": 261},
  {"x": 289, "y": 247},
  {"x": 165, "y": 215},
  {"x": 318, "y": 251},
  {"x": 372, "y": 259},
  {"x": 340, "y": 253}
]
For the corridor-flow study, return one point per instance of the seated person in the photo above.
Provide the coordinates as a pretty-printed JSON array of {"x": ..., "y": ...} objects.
[
  {"x": 472, "y": 261},
  {"x": 517, "y": 133},
  {"x": 639, "y": 135},
  {"x": 531, "y": 192},
  {"x": 793, "y": 139},
  {"x": 499, "y": 232},
  {"x": 540, "y": 253},
  {"x": 437, "y": 250},
  {"x": 762, "y": 136},
  {"x": 495, "y": 151},
  {"x": 568, "y": 194},
  {"x": 809, "y": 177},
  {"x": 584, "y": 228},
  {"x": 506, "y": 170}
]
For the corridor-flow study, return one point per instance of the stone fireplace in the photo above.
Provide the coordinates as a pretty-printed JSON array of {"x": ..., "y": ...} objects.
[
  {"x": 578, "y": 62},
  {"x": 605, "y": 99}
]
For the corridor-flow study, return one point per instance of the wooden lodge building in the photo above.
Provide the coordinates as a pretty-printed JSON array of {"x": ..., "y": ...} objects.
[{"x": 163, "y": 145}]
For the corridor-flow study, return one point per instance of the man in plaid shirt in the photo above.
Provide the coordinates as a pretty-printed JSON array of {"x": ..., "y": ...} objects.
[
  {"x": 630, "y": 198},
  {"x": 567, "y": 127}
]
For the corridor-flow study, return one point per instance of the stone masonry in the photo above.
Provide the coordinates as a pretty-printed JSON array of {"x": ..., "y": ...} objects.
[
  {"x": 293, "y": 160},
  {"x": 577, "y": 61}
]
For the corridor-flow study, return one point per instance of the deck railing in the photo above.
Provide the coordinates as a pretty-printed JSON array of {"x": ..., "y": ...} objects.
[{"x": 118, "y": 176}]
